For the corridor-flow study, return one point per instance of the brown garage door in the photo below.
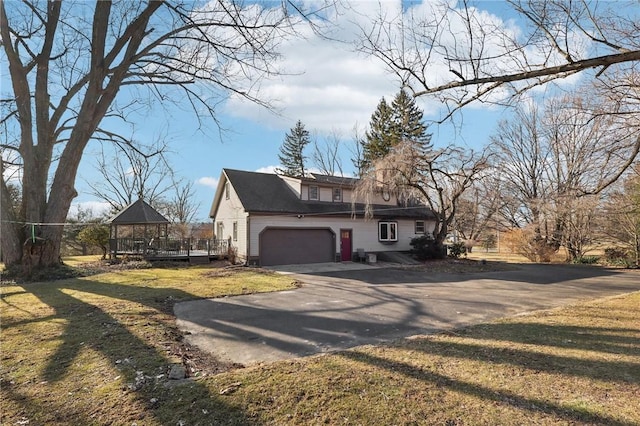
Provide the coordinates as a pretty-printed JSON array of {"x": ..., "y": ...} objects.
[{"x": 285, "y": 246}]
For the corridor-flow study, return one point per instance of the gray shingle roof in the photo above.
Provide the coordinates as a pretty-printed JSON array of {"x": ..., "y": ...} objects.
[
  {"x": 268, "y": 193},
  {"x": 138, "y": 212},
  {"x": 332, "y": 180}
]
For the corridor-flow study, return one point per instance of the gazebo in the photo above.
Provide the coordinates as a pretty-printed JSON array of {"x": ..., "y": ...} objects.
[{"x": 138, "y": 229}]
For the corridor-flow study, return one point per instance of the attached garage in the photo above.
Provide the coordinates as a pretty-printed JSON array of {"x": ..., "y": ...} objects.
[{"x": 285, "y": 246}]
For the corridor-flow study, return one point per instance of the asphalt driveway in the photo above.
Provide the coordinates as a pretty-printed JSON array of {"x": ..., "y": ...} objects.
[{"x": 340, "y": 307}]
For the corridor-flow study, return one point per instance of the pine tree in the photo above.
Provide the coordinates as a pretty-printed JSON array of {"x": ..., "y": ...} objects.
[
  {"x": 291, "y": 152},
  {"x": 390, "y": 124},
  {"x": 407, "y": 118},
  {"x": 381, "y": 135}
]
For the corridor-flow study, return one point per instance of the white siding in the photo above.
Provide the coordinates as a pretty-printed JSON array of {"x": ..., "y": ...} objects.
[
  {"x": 294, "y": 184},
  {"x": 325, "y": 193},
  {"x": 230, "y": 211},
  {"x": 377, "y": 199},
  {"x": 365, "y": 232}
]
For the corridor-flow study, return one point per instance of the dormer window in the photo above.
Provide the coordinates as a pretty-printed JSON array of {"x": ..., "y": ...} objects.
[
  {"x": 313, "y": 193},
  {"x": 337, "y": 194}
]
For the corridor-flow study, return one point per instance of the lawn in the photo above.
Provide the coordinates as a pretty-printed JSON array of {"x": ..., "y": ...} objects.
[{"x": 97, "y": 350}]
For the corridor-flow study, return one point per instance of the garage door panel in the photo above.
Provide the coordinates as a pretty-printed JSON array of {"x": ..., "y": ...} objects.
[{"x": 281, "y": 246}]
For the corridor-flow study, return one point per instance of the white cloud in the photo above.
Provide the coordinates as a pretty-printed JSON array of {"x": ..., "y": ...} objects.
[
  {"x": 208, "y": 181},
  {"x": 11, "y": 173},
  {"x": 96, "y": 208},
  {"x": 330, "y": 86},
  {"x": 267, "y": 169}
]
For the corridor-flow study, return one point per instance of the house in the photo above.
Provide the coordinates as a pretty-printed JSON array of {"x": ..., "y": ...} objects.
[{"x": 274, "y": 220}]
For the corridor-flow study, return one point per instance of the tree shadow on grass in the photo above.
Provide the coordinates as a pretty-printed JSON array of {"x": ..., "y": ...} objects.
[
  {"x": 143, "y": 365},
  {"x": 619, "y": 341},
  {"x": 483, "y": 392},
  {"x": 474, "y": 344}
]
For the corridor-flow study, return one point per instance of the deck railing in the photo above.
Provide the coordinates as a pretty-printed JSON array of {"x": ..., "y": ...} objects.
[{"x": 164, "y": 248}]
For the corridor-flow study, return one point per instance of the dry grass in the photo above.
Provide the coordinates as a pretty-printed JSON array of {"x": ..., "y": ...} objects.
[
  {"x": 577, "y": 365},
  {"x": 479, "y": 254},
  {"x": 96, "y": 350}
]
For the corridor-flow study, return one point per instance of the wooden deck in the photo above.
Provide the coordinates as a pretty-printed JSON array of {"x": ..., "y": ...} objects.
[{"x": 170, "y": 249}]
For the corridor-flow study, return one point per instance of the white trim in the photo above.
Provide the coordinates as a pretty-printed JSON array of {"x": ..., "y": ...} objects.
[{"x": 391, "y": 231}]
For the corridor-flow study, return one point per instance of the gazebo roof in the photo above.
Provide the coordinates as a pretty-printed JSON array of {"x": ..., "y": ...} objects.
[{"x": 138, "y": 213}]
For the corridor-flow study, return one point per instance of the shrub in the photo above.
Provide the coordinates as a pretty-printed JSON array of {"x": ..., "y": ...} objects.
[
  {"x": 526, "y": 243},
  {"x": 614, "y": 253},
  {"x": 615, "y": 256},
  {"x": 425, "y": 247},
  {"x": 96, "y": 235},
  {"x": 232, "y": 254},
  {"x": 457, "y": 249},
  {"x": 587, "y": 260}
]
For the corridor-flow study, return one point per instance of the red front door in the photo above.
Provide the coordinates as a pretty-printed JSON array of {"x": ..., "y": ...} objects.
[{"x": 345, "y": 245}]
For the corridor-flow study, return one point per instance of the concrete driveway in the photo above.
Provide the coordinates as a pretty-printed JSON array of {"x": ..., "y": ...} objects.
[{"x": 339, "y": 306}]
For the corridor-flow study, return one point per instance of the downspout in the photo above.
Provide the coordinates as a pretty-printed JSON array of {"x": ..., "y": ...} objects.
[{"x": 248, "y": 243}]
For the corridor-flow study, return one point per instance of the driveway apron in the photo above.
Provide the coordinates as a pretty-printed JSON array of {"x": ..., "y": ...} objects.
[{"x": 340, "y": 309}]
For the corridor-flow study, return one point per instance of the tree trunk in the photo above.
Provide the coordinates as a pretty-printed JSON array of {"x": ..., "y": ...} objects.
[
  {"x": 39, "y": 253},
  {"x": 12, "y": 233},
  {"x": 440, "y": 235}
]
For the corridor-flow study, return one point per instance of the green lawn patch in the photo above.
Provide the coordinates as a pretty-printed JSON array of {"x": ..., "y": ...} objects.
[{"x": 97, "y": 350}]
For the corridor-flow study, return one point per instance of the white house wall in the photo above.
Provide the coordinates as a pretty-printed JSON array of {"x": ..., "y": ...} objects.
[
  {"x": 294, "y": 184},
  {"x": 230, "y": 211},
  {"x": 326, "y": 194},
  {"x": 364, "y": 235}
]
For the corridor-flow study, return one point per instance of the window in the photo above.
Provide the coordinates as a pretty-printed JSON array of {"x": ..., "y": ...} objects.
[
  {"x": 235, "y": 231},
  {"x": 419, "y": 226},
  {"x": 220, "y": 231},
  {"x": 337, "y": 194},
  {"x": 388, "y": 231},
  {"x": 313, "y": 192},
  {"x": 226, "y": 191}
]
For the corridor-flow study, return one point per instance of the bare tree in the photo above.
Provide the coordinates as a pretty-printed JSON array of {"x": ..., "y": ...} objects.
[
  {"x": 459, "y": 54},
  {"x": 622, "y": 210},
  {"x": 478, "y": 207},
  {"x": 73, "y": 64},
  {"x": 557, "y": 162},
  {"x": 181, "y": 208},
  {"x": 437, "y": 178},
  {"x": 326, "y": 155},
  {"x": 577, "y": 220},
  {"x": 133, "y": 172},
  {"x": 357, "y": 150}
]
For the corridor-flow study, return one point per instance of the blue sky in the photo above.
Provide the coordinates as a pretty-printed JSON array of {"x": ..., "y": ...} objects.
[{"x": 331, "y": 89}]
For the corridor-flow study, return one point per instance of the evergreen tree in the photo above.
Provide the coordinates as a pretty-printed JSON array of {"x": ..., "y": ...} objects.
[
  {"x": 381, "y": 135},
  {"x": 291, "y": 152},
  {"x": 407, "y": 118},
  {"x": 390, "y": 124}
]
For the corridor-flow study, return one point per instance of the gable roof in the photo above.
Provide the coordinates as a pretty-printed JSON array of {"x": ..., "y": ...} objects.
[
  {"x": 269, "y": 193},
  {"x": 138, "y": 212},
  {"x": 262, "y": 191}
]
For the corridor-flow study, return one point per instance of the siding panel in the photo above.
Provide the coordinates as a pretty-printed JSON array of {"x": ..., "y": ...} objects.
[{"x": 365, "y": 232}]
